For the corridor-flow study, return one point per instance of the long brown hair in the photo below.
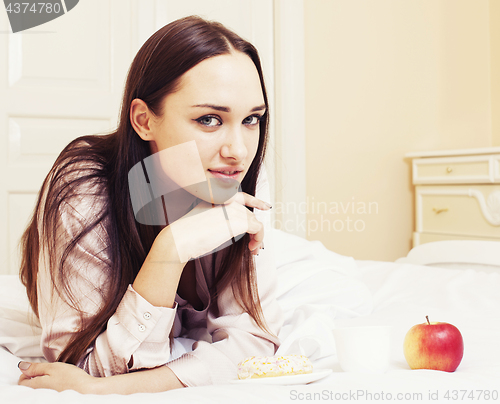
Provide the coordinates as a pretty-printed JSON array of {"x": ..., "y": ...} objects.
[{"x": 154, "y": 73}]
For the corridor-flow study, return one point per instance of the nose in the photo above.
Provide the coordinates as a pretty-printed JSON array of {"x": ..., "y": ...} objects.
[{"x": 233, "y": 145}]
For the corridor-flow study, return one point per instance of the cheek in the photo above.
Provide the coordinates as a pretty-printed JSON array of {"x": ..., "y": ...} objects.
[
  {"x": 208, "y": 153},
  {"x": 174, "y": 132},
  {"x": 181, "y": 163}
]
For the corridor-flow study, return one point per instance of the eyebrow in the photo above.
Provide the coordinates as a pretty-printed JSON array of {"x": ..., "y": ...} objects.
[{"x": 227, "y": 109}]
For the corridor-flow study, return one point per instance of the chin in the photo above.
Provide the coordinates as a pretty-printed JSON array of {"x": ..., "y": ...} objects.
[{"x": 215, "y": 190}]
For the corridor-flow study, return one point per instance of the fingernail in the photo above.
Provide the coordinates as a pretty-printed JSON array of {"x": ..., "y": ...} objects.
[
  {"x": 269, "y": 205},
  {"x": 23, "y": 365}
]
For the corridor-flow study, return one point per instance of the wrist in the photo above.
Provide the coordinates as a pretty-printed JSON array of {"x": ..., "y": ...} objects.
[
  {"x": 97, "y": 386},
  {"x": 152, "y": 380},
  {"x": 159, "y": 276},
  {"x": 165, "y": 247}
]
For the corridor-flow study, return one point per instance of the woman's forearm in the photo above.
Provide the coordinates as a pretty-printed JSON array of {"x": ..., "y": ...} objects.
[
  {"x": 143, "y": 381},
  {"x": 159, "y": 277},
  {"x": 61, "y": 376}
]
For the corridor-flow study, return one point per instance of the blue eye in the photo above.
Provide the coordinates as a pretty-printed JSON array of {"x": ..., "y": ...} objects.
[
  {"x": 209, "y": 121},
  {"x": 252, "y": 120}
]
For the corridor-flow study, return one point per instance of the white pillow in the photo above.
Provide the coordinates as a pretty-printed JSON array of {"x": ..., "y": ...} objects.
[
  {"x": 309, "y": 273},
  {"x": 456, "y": 254},
  {"x": 19, "y": 328},
  {"x": 291, "y": 248}
]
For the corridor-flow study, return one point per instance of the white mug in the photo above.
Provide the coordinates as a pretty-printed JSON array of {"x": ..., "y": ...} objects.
[{"x": 363, "y": 349}]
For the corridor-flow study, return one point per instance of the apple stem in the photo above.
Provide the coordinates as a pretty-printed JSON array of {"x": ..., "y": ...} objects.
[{"x": 428, "y": 322}]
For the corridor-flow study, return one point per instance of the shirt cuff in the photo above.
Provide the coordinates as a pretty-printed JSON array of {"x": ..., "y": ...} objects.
[
  {"x": 191, "y": 371},
  {"x": 140, "y": 331},
  {"x": 205, "y": 365},
  {"x": 140, "y": 318}
]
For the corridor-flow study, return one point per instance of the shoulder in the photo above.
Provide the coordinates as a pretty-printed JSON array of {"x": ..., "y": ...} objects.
[
  {"x": 79, "y": 167},
  {"x": 79, "y": 159}
]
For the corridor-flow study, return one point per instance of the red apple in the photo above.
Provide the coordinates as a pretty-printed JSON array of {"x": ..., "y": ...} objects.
[{"x": 437, "y": 346}]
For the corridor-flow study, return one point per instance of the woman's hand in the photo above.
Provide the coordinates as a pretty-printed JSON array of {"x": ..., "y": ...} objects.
[
  {"x": 62, "y": 376},
  {"x": 207, "y": 227},
  {"x": 56, "y": 376}
]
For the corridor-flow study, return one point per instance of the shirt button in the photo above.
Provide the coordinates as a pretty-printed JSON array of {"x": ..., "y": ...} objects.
[
  {"x": 147, "y": 315},
  {"x": 142, "y": 327}
]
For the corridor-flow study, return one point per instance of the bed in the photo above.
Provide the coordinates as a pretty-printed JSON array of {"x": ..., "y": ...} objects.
[{"x": 320, "y": 290}]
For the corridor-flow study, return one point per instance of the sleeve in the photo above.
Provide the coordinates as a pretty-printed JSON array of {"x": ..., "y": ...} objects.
[
  {"x": 137, "y": 330},
  {"x": 235, "y": 336}
]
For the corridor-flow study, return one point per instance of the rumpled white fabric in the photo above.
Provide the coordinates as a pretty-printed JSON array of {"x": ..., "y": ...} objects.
[
  {"x": 19, "y": 328},
  {"x": 316, "y": 286}
]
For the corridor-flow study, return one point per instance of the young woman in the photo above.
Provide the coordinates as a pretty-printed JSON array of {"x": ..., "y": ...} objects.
[{"x": 178, "y": 296}]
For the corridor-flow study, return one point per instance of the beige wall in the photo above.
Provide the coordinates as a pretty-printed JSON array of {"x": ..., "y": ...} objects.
[
  {"x": 384, "y": 78},
  {"x": 495, "y": 70}
]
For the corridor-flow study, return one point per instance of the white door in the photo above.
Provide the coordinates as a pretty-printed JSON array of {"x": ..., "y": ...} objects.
[{"x": 65, "y": 78}]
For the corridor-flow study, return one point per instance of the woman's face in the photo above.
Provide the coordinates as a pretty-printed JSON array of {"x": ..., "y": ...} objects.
[{"x": 211, "y": 123}]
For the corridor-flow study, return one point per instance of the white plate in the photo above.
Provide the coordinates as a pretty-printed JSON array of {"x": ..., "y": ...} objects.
[{"x": 288, "y": 380}]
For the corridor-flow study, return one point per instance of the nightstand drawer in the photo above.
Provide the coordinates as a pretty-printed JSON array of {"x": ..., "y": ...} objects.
[
  {"x": 454, "y": 170},
  {"x": 459, "y": 210}
]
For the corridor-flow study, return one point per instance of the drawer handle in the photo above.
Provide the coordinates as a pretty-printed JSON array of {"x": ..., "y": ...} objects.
[
  {"x": 449, "y": 169},
  {"x": 438, "y": 211}
]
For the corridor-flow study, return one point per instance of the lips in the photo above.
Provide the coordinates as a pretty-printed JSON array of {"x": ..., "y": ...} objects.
[{"x": 231, "y": 174}]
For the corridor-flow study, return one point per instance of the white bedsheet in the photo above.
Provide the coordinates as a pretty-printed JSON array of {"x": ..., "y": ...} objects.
[{"x": 320, "y": 290}]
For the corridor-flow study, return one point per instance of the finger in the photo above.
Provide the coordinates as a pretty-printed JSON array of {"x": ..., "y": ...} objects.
[
  {"x": 254, "y": 227},
  {"x": 256, "y": 240},
  {"x": 255, "y": 246},
  {"x": 251, "y": 201},
  {"x": 35, "y": 382},
  {"x": 22, "y": 378},
  {"x": 33, "y": 369}
]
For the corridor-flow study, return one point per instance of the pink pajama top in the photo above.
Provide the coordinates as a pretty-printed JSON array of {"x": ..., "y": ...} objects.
[{"x": 140, "y": 331}]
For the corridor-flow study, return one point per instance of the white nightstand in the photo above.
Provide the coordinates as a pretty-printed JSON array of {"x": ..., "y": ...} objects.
[{"x": 457, "y": 195}]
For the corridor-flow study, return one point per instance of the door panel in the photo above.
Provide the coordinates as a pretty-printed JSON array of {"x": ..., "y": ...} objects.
[{"x": 58, "y": 81}]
